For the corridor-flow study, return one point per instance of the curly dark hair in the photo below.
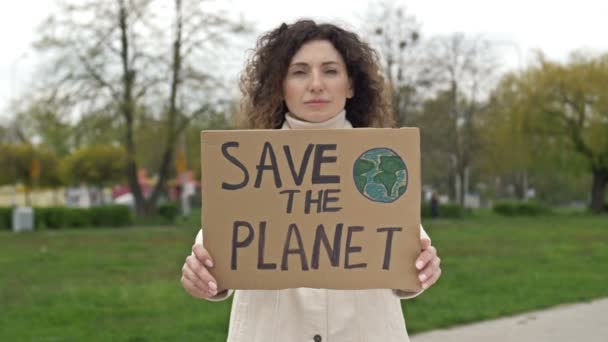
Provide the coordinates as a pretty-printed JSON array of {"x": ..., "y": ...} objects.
[{"x": 262, "y": 105}]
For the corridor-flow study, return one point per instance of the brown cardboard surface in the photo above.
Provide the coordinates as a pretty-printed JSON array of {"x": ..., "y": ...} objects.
[{"x": 261, "y": 237}]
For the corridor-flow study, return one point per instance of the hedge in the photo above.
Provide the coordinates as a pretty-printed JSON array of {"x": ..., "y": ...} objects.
[
  {"x": 169, "y": 211},
  {"x": 517, "y": 208},
  {"x": 64, "y": 217},
  {"x": 6, "y": 218},
  {"x": 446, "y": 211}
]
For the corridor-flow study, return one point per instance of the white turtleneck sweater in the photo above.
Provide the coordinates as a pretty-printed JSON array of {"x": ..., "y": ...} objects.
[
  {"x": 317, "y": 315},
  {"x": 337, "y": 122}
]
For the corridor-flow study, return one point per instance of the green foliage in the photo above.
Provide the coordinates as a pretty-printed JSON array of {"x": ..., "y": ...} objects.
[
  {"x": 61, "y": 217},
  {"x": 6, "y": 218},
  {"x": 551, "y": 115},
  {"x": 450, "y": 210},
  {"x": 44, "y": 118},
  {"x": 112, "y": 100},
  {"x": 7, "y": 168},
  {"x": 16, "y": 164},
  {"x": 517, "y": 208},
  {"x": 99, "y": 165},
  {"x": 111, "y": 216},
  {"x": 169, "y": 211},
  {"x": 64, "y": 217}
]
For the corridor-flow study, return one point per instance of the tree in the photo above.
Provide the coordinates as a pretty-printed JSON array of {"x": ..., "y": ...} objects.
[
  {"x": 464, "y": 71},
  {"x": 114, "y": 59},
  {"x": 507, "y": 159},
  {"x": 568, "y": 105},
  {"x": 41, "y": 121},
  {"x": 504, "y": 143},
  {"x": 396, "y": 35},
  {"x": 99, "y": 165},
  {"x": 32, "y": 166},
  {"x": 436, "y": 136},
  {"x": 5, "y": 135}
]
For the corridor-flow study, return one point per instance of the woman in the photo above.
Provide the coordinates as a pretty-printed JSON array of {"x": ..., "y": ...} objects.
[{"x": 309, "y": 75}]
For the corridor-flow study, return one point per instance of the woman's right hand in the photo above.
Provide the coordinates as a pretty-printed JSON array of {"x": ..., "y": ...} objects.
[{"x": 196, "y": 279}]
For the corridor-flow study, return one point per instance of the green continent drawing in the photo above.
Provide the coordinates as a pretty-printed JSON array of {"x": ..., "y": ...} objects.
[{"x": 380, "y": 175}]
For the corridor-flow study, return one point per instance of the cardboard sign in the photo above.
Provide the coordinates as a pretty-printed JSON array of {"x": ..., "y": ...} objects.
[{"x": 336, "y": 209}]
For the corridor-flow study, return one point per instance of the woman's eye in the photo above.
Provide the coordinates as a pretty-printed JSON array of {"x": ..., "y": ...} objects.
[
  {"x": 298, "y": 72},
  {"x": 331, "y": 71}
]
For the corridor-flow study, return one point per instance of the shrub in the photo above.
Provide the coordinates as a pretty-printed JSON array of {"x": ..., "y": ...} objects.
[
  {"x": 63, "y": 217},
  {"x": 6, "y": 218},
  {"x": 169, "y": 211},
  {"x": 516, "y": 208},
  {"x": 446, "y": 211},
  {"x": 111, "y": 216}
]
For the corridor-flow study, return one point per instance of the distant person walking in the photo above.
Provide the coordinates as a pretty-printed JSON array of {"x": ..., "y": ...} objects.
[{"x": 434, "y": 205}]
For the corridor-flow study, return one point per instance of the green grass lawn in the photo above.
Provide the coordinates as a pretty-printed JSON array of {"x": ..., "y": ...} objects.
[{"x": 123, "y": 284}]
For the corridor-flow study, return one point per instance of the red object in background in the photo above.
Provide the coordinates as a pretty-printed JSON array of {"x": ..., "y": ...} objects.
[
  {"x": 174, "y": 186},
  {"x": 145, "y": 184}
]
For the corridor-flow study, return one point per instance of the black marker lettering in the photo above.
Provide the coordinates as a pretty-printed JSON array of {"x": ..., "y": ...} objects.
[
  {"x": 298, "y": 177},
  {"x": 238, "y": 244},
  {"x": 290, "y": 198},
  {"x": 309, "y": 200},
  {"x": 333, "y": 253},
  {"x": 353, "y": 249},
  {"x": 262, "y": 166},
  {"x": 238, "y": 164},
  {"x": 327, "y": 199},
  {"x": 389, "y": 244},
  {"x": 261, "y": 244},
  {"x": 293, "y": 228},
  {"x": 317, "y": 178}
]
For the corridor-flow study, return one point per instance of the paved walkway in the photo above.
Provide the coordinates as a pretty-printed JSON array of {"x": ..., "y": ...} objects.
[{"x": 586, "y": 322}]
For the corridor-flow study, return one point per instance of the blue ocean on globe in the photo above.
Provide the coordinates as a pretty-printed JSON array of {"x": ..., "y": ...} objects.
[{"x": 380, "y": 175}]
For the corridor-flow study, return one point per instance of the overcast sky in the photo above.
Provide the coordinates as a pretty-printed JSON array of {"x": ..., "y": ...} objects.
[{"x": 556, "y": 27}]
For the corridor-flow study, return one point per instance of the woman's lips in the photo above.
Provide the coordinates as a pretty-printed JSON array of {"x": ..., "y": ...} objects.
[{"x": 316, "y": 103}]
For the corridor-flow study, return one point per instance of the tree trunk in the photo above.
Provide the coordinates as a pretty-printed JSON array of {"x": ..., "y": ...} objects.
[
  {"x": 28, "y": 201},
  {"x": 463, "y": 183},
  {"x": 598, "y": 190},
  {"x": 128, "y": 112},
  {"x": 173, "y": 132},
  {"x": 452, "y": 186},
  {"x": 521, "y": 185}
]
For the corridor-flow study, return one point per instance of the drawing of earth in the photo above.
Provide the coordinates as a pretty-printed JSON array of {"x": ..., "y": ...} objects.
[{"x": 380, "y": 175}]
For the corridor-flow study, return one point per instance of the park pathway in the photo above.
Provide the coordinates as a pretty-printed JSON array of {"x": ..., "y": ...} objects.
[{"x": 586, "y": 322}]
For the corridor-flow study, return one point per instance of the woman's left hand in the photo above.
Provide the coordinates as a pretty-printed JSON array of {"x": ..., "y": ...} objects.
[{"x": 427, "y": 264}]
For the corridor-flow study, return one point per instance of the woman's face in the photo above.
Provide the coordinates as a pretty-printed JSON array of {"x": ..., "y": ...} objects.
[{"x": 316, "y": 85}]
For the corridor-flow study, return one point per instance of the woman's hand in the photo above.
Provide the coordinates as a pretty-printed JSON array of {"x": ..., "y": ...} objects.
[
  {"x": 427, "y": 264},
  {"x": 196, "y": 279}
]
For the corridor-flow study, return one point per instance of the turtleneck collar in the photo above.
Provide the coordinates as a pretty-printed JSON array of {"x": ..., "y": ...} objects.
[{"x": 338, "y": 121}]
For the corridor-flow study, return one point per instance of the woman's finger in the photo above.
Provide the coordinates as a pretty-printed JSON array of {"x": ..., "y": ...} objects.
[
  {"x": 193, "y": 290},
  {"x": 201, "y": 272},
  {"x": 426, "y": 256},
  {"x": 430, "y": 269},
  {"x": 432, "y": 280},
  {"x": 190, "y": 275},
  {"x": 201, "y": 254}
]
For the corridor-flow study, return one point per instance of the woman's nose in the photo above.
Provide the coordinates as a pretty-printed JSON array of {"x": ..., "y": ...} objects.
[{"x": 316, "y": 81}]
